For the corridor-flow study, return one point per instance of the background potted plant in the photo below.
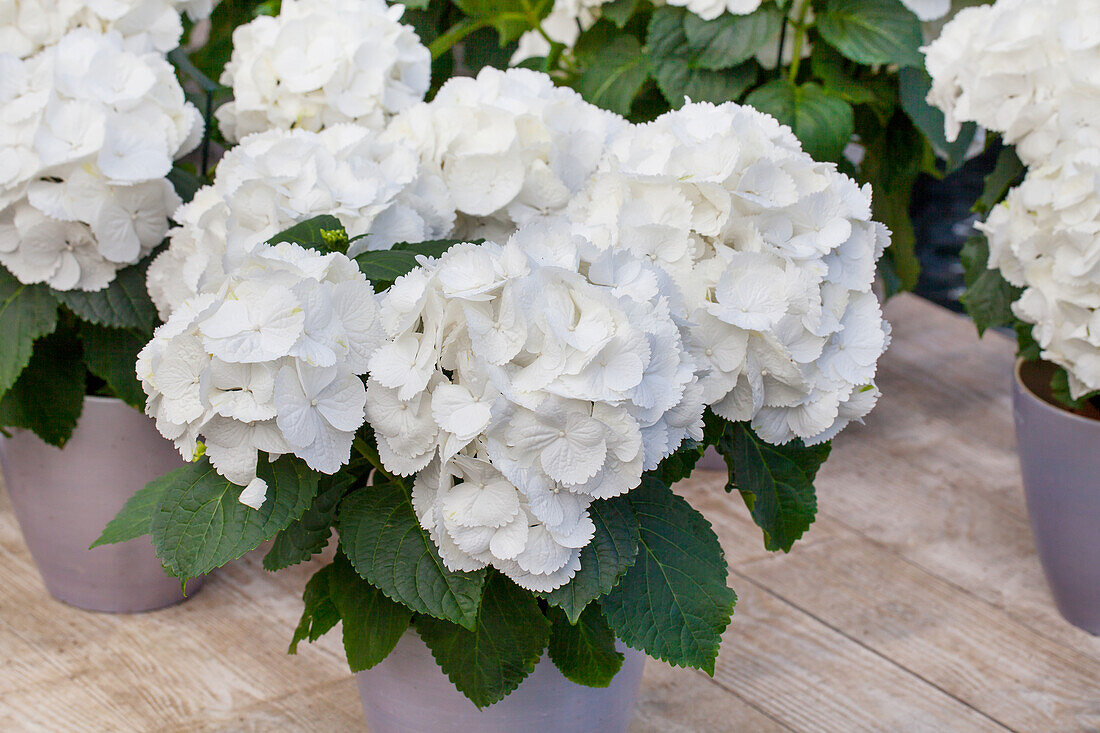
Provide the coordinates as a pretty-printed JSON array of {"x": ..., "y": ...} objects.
[
  {"x": 1026, "y": 71},
  {"x": 93, "y": 117}
]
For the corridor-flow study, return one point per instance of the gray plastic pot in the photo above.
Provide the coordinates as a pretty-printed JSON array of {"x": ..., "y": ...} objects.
[
  {"x": 1060, "y": 460},
  {"x": 63, "y": 498},
  {"x": 408, "y": 693}
]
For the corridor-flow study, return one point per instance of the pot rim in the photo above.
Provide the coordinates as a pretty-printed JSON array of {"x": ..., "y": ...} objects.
[{"x": 1026, "y": 391}]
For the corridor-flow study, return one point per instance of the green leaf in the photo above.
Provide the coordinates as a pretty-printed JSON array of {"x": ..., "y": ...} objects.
[
  {"x": 614, "y": 74},
  {"x": 872, "y": 31},
  {"x": 323, "y": 233},
  {"x": 823, "y": 122},
  {"x": 200, "y": 524},
  {"x": 604, "y": 560},
  {"x": 988, "y": 297},
  {"x": 185, "y": 181},
  {"x": 511, "y": 19},
  {"x": 830, "y": 68},
  {"x": 913, "y": 86},
  {"x": 432, "y": 247},
  {"x": 1026, "y": 346},
  {"x": 493, "y": 657},
  {"x": 619, "y": 11},
  {"x": 372, "y": 623},
  {"x": 125, "y": 303},
  {"x": 776, "y": 481},
  {"x": 673, "y": 603},
  {"x": 136, "y": 516},
  {"x": 381, "y": 536},
  {"x": 27, "y": 312},
  {"x": 383, "y": 266},
  {"x": 111, "y": 355},
  {"x": 674, "y": 64},
  {"x": 679, "y": 465},
  {"x": 1006, "y": 173},
  {"x": 48, "y": 396},
  {"x": 730, "y": 39},
  {"x": 310, "y": 534},
  {"x": 320, "y": 613},
  {"x": 584, "y": 652}
]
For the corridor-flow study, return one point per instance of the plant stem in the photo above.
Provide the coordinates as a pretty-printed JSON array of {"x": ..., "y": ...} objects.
[{"x": 796, "y": 51}]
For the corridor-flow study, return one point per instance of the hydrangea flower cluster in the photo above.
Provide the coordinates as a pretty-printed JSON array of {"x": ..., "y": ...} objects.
[
  {"x": 773, "y": 252},
  {"x": 274, "y": 179},
  {"x": 267, "y": 363},
  {"x": 521, "y": 390},
  {"x": 88, "y": 133},
  {"x": 28, "y": 26},
  {"x": 323, "y": 62},
  {"x": 508, "y": 146},
  {"x": 1025, "y": 68}
]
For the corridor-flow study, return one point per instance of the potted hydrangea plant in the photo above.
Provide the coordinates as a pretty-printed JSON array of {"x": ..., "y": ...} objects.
[
  {"x": 93, "y": 118},
  {"x": 1026, "y": 70}
]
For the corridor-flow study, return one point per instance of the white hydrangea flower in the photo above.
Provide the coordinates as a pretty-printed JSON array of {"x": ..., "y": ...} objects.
[
  {"x": 711, "y": 9},
  {"x": 88, "y": 130},
  {"x": 564, "y": 23},
  {"x": 508, "y": 146},
  {"x": 269, "y": 362},
  {"x": 274, "y": 179},
  {"x": 28, "y": 26},
  {"x": 774, "y": 255},
  {"x": 519, "y": 390},
  {"x": 320, "y": 63}
]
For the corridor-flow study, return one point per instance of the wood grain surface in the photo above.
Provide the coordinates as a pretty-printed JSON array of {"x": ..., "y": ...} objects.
[{"x": 915, "y": 603}]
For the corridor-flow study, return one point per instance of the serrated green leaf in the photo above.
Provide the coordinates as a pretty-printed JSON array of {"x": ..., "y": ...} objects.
[
  {"x": 381, "y": 536},
  {"x": 432, "y": 247},
  {"x": 673, "y": 603},
  {"x": 1026, "y": 346},
  {"x": 111, "y": 354},
  {"x": 822, "y": 122},
  {"x": 309, "y": 534},
  {"x": 604, "y": 560},
  {"x": 319, "y": 614},
  {"x": 372, "y": 623},
  {"x": 619, "y": 11},
  {"x": 829, "y": 67},
  {"x": 585, "y": 651},
  {"x": 135, "y": 519},
  {"x": 383, "y": 266},
  {"x": 872, "y": 31},
  {"x": 988, "y": 300},
  {"x": 776, "y": 481},
  {"x": 200, "y": 524},
  {"x": 27, "y": 312},
  {"x": 730, "y": 39},
  {"x": 614, "y": 74},
  {"x": 185, "y": 181},
  {"x": 1006, "y": 173},
  {"x": 125, "y": 303},
  {"x": 674, "y": 65},
  {"x": 492, "y": 658},
  {"x": 48, "y": 396},
  {"x": 679, "y": 465},
  {"x": 323, "y": 233},
  {"x": 913, "y": 86}
]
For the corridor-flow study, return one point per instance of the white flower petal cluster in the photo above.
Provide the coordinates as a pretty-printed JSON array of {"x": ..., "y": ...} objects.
[
  {"x": 711, "y": 9},
  {"x": 272, "y": 180},
  {"x": 268, "y": 363},
  {"x": 320, "y": 63},
  {"x": 88, "y": 132},
  {"x": 774, "y": 254},
  {"x": 564, "y": 23},
  {"x": 508, "y": 146},
  {"x": 28, "y": 26},
  {"x": 1025, "y": 68},
  {"x": 519, "y": 390}
]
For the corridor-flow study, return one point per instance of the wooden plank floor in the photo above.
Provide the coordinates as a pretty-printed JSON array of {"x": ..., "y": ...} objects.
[{"x": 915, "y": 603}]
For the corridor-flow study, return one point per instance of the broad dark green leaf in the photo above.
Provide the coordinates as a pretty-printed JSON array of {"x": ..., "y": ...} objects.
[
  {"x": 372, "y": 623},
  {"x": 111, "y": 354},
  {"x": 432, "y": 247},
  {"x": 48, "y": 396},
  {"x": 604, "y": 560},
  {"x": 381, "y": 536},
  {"x": 309, "y": 534},
  {"x": 511, "y": 19},
  {"x": 492, "y": 658},
  {"x": 1006, "y": 173},
  {"x": 872, "y": 31},
  {"x": 319, "y": 614},
  {"x": 383, "y": 266},
  {"x": 830, "y": 68},
  {"x": 324, "y": 233},
  {"x": 730, "y": 39},
  {"x": 136, "y": 516},
  {"x": 673, "y": 603},
  {"x": 125, "y": 303},
  {"x": 823, "y": 122},
  {"x": 913, "y": 86},
  {"x": 614, "y": 74},
  {"x": 27, "y": 312},
  {"x": 1026, "y": 346},
  {"x": 619, "y": 11},
  {"x": 200, "y": 524},
  {"x": 185, "y": 181},
  {"x": 988, "y": 297},
  {"x": 681, "y": 463},
  {"x": 585, "y": 651},
  {"x": 776, "y": 481}
]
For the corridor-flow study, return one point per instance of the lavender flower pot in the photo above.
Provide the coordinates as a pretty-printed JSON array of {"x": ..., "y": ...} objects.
[
  {"x": 408, "y": 693},
  {"x": 63, "y": 498},
  {"x": 1060, "y": 459}
]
